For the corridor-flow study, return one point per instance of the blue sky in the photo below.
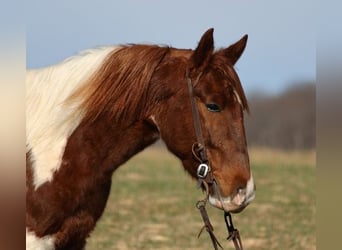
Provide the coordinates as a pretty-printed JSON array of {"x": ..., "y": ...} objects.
[{"x": 281, "y": 50}]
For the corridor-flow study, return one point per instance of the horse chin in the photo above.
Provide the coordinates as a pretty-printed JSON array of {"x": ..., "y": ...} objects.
[{"x": 227, "y": 204}]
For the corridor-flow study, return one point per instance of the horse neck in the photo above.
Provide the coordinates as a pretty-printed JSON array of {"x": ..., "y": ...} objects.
[
  {"x": 105, "y": 145},
  {"x": 169, "y": 99}
]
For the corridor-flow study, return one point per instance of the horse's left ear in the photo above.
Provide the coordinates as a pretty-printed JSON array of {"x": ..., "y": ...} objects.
[
  {"x": 234, "y": 51},
  {"x": 204, "y": 49}
]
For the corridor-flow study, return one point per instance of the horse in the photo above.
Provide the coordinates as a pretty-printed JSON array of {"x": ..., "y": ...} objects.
[{"x": 89, "y": 114}]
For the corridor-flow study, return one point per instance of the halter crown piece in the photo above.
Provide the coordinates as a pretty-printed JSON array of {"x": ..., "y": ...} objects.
[{"x": 205, "y": 176}]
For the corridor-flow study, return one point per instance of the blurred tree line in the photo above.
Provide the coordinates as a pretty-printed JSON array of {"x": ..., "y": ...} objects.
[{"x": 285, "y": 121}]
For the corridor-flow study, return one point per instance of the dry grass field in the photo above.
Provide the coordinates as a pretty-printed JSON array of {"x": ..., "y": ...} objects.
[{"x": 152, "y": 205}]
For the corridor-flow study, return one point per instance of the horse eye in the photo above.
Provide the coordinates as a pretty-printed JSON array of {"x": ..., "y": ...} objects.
[{"x": 212, "y": 107}]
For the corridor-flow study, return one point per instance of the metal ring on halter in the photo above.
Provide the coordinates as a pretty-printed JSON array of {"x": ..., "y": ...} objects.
[
  {"x": 201, "y": 203},
  {"x": 202, "y": 170}
]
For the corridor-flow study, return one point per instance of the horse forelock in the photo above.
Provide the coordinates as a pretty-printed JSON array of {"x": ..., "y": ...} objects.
[
  {"x": 119, "y": 88},
  {"x": 221, "y": 64}
]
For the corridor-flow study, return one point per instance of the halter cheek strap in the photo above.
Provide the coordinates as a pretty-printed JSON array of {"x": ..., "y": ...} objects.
[
  {"x": 199, "y": 147},
  {"x": 205, "y": 176}
]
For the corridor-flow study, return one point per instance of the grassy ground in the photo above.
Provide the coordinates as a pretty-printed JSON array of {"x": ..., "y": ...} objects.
[{"x": 152, "y": 205}]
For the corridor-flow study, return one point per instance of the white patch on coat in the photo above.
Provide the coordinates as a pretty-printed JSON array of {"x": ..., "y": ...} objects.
[
  {"x": 49, "y": 120},
  {"x": 250, "y": 190},
  {"x": 237, "y": 97},
  {"x": 153, "y": 119},
  {"x": 35, "y": 243}
]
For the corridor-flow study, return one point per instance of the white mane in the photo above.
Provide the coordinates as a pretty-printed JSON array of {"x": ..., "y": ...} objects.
[{"x": 47, "y": 128}]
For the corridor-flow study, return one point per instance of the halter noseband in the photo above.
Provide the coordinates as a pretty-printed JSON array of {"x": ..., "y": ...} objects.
[{"x": 205, "y": 176}]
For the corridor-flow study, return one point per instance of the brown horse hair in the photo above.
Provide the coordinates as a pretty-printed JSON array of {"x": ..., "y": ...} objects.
[
  {"x": 115, "y": 113},
  {"x": 107, "y": 90},
  {"x": 134, "y": 64},
  {"x": 218, "y": 61}
]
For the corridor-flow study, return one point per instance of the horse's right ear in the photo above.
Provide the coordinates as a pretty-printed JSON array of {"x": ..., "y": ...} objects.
[{"x": 204, "y": 49}]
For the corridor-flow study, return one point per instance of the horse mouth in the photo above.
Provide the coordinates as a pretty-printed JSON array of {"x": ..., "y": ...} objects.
[{"x": 235, "y": 205}]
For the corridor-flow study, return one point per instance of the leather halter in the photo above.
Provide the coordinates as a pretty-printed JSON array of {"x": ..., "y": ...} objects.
[{"x": 205, "y": 176}]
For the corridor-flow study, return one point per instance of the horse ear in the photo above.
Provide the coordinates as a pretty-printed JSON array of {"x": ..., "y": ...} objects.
[
  {"x": 204, "y": 49},
  {"x": 234, "y": 51}
]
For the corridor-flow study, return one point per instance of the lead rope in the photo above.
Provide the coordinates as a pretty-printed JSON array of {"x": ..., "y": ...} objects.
[
  {"x": 207, "y": 224},
  {"x": 234, "y": 234}
]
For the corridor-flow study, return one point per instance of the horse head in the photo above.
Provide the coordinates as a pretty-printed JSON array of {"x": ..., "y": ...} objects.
[{"x": 221, "y": 103}]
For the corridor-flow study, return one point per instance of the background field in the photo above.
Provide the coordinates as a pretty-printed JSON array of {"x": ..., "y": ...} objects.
[{"x": 152, "y": 205}]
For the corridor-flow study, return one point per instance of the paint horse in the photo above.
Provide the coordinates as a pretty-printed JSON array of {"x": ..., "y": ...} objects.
[{"x": 89, "y": 114}]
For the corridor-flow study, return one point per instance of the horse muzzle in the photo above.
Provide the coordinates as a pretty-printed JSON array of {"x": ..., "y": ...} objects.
[{"x": 236, "y": 202}]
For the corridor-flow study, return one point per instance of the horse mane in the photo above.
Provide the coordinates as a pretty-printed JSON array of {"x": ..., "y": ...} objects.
[{"x": 120, "y": 86}]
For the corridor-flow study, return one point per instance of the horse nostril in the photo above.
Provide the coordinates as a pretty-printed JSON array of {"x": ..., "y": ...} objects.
[
  {"x": 240, "y": 196},
  {"x": 241, "y": 191}
]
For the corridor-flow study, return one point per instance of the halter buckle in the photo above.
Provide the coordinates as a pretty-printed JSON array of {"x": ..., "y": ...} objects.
[{"x": 202, "y": 170}]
